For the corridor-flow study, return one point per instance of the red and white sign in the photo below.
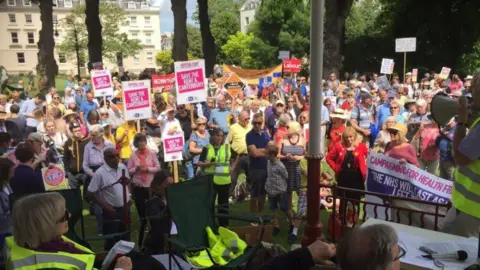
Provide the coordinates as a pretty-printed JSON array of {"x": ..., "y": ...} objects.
[
  {"x": 102, "y": 83},
  {"x": 136, "y": 100},
  {"x": 190, "y": 81},
  {"x": 292, "y": 65},
  {"x": 162, "y": 83},
  {"x": 173, "y": 147},
  {"x": 444, "y": 73},
  {"x": 414, "y": 74},
  {"x": 54, "y": 178}
]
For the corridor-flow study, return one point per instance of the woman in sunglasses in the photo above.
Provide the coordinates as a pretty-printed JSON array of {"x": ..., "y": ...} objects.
[{"x": 399, "y": 148}]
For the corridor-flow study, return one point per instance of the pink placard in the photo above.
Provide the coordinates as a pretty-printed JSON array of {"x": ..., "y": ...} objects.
[
  {"x": 173, "y": 145},
  {"x": 102, "y": 81},
  {"x": 190, "y": 80},
  {"x": 137, "y": 99},
  {"x": 54, "y": 177}
]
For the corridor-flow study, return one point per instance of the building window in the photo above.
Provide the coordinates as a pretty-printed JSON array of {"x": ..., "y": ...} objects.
[
  {"x": 27, "y": 3},
  {"x": 28, "y": 18},
  {"x": 147, "y": 20},
  {"x": 61, "y": 58},
  {"x": 14, "y": 37},
  {"x": 132, "y": 5},
  {"x": 21, "y": 58},
  {"x": 134, "y": 35},
  {"x": 136, "y": 60},
  {"x": 133, "y": 20},
  {"x": 31, "y": 38},
  {"x": 12, "y": 18},
  {"x": 148, "y": 38},
  {"x": 144, "y": 6},
  {"x": 150, "y": 60},
  {"x": 55, "y": 19},
  {"x": 11, "y": 3},
  {"x": 247, "y": 20},
  {"x": 67, "y": 3}
]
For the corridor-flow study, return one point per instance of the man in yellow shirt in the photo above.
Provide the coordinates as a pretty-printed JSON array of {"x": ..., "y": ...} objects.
[
  {"x": 124, "y": 136},
  {"x": 237, "y": 140}
]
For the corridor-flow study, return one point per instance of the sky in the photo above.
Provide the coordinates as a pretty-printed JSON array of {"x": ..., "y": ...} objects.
[{"x": 166, "y": 15}]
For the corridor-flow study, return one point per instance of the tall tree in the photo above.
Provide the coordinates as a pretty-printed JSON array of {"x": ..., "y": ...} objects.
[
  {"x": 194, "y": 41},
  {"x": 208, "y": 43},
  {"x": 94, "y": 29},
  {"x": 180, "y": 40},
  {"x": 47, "y": 67}
]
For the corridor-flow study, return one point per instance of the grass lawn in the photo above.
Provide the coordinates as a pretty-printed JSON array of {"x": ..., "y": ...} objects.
[{"x": 59, "y": 84}]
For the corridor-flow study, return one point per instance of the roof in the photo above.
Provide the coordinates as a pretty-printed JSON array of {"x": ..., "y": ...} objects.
[{"x": 251, "y": 5}]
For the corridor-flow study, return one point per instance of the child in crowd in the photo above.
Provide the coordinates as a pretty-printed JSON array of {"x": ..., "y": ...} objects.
[
  {"x": 326, "y": 180},
  {"x": 276, "y": 187}
]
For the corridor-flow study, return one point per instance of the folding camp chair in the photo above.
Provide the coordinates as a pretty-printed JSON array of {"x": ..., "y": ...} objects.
[{"x": 192, "y": 205}]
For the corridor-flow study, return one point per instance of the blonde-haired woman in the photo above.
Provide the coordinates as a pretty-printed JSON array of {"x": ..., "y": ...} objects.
[
  {"x": 383, "y": 137},
  {"x": 39, "y": 222},
  {"x": 198, "y": 140},
  {"x": 395, "y": 108},
  {"x": 399, "y": 148}
]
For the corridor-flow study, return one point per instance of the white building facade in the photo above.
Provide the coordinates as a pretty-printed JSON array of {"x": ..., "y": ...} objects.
[
  {"x": 247, "y": 13},
  {"x": 19, "y": 35}
]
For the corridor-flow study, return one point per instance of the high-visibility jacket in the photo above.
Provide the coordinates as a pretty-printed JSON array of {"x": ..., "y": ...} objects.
[
  {"x": 20, "y": 258},
  {"x": 223, "y": 247},
  {"x": 466, "y": 188},
  {"x": 221, "y": 170}
]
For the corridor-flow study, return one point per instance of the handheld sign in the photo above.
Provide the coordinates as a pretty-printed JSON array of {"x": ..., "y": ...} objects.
[
  {"x": 102, "y": 83},
  {"x": 173, "y": 147},
  {"x": 234, "y": 85},
  {"x": 414, "y": 74},
  {"x": 191, "y": 84},
  {"x": 54, "y": 179},
  {"x": 406, "y": 44},
  {"x": 292, "y": 65},
  {"x": 283, "y": 55},
  {"x": 444, "y": 73},
  {"x": 387, "y": 66},
  {"x": 383, "y": 83},
  {"x": 164, "y": 82},
  {"x": 136, "y": 100}
]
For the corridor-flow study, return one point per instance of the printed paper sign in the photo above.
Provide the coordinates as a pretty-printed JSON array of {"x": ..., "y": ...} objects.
[
  {"x": 54, "y": 179},
  {"x": 97, "y": 65},
  {"x": 444, "y": 73},
  {"x": 414, "y": 75},
  {"x": 383, "y": 83},
  {"x": 283, "y": 55},
  {"x": 162, "y": 82},
  {"x": 190, "y": 81},
  {"x": 387, "y": 66},
  {"x": 102, "y": 83},
  {"x": 136, "y": 100},
  {"x": 405, "y": 44},
  {"x": 234, "y": 85},
  {"x": 173, "y": 147},
  {"x": 292, "y": 65}
]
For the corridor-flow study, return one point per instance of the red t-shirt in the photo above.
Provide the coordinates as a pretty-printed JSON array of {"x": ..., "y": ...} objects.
[
  {"x": 346, "y": 106},
  {"x": 280, "y": 133}
]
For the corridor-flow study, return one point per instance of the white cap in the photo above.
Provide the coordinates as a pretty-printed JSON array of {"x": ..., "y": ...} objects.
[{"x": 469, "y": 77}]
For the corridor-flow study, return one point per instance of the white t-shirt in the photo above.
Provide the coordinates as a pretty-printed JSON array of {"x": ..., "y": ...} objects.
[
  {"x": 105, "y": 176},
  {"x": 166, "y": 125}
]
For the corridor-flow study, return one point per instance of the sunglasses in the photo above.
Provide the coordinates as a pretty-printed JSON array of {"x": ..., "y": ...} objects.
[
  {"x": 401, "y": 254},
  {"x": 393, "y": 132},
  {"x": 257, "y": 123},
  {"x": 143, "y": 129},
  {"x": 393, "y": 107},
  {"x": 303, "y": 117},
  {"x": 201, "y": 124},
  {"x": 104, "y": 114},
  {"x": 228, "y": 103},
  {"x": 56, "y": 97},
  {"x": 290, "y": 101},
  {"x": 65, "y": 217},
  {"x": 180, "y": 108}
]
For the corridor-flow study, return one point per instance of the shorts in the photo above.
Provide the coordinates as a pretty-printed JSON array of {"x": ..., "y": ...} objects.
[
  {"x": 302, "y": 203},
  {"x": 277, "y": 201},
  {"x": 256, "y": 182}
]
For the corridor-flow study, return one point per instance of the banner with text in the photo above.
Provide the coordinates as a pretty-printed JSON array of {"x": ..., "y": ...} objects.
[
  {"x": 54, "y": 178},
  {"x": 292, "y": 65},
  {"x": 136, "y": 100},
  {"x": 386, "y": 175},
  {"x": 102, "y": 83},
  {"x": 173, "y": 147},
  {"x": 162, "y": 83},
  {"x": 190, "y": 81}
]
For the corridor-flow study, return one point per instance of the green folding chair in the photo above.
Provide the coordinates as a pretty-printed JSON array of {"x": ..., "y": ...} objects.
[{"x": 191, "y": 205}]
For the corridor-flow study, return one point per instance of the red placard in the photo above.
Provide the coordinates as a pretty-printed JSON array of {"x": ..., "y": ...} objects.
[
  {"x": 292, "y": 65},
  {"x": 163, "y": 81}
]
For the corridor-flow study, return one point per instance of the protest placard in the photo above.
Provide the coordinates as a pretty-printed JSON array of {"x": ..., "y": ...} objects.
[
  {"x": 173, "y": 147},
  {"x": 387, "y": 66},
  {"x": 405, "y": 44},
  {"x": 234, "y": 85},
  {"x": 97, "y": 65},
  {"x": 102, "y": 83},
  {"x": 162, "y": 83},
  {"x": 383, "y": 83},
  {"x": 54, "y": 178},
  {"x": 136, "y": 100},
  {"x": 292, "y": 65},
  {"x": 283, "y": 55},
  {"x": 414, "y": 74},
  {"x": 444, "y": 73},
  {"x": 190, "y": 79}
]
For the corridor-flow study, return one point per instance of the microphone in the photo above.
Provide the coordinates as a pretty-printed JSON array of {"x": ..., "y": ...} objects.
[{"x": 460, "y": 255}]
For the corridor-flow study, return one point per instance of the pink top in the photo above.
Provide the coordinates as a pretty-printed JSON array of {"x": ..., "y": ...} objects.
[
  {"x": 406, "y": 152},
  {"x": 429, "y": 150},
  {"x": 455, "y": 86},
  {"x": 143, "y": 179}
]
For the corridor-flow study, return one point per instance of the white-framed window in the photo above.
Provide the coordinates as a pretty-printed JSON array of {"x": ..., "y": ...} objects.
[
  {"x": 28, "y": 18},
  {"x": 150, "y": 60},
  {"x": 148, "y": 38},
  {"x": 145, "y": 5},
  {"x": 31, "y": 37},
  {"x": 27, "y": 3},
  {"x": 12, "y": 18},
  {"x": 147, "y": 20},
  {"x": 11, "y": 3},
  {"x": 14, "y": 37},
  {"x": 55, "y": 3},
  {"x": 67, "y": 3},
  {"x": 136, "y": 60},
  {"x": 61, "y": 58},
  {"x": 133, "y": 20},
  {"x": 134, "y": 35},
  {"x": 21, "y": 58},
  {"x": 54, "y": 18},
  {"x": 132, "y": 5},
  {"x": 247, "y": 20}
]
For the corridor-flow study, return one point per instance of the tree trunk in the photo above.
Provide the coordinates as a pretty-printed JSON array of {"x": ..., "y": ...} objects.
[
  {"x": 47, "y": 67},
  {"x": 336, "y": 13},
  {"x": 208, "y": 42},
  {"x": 180, "y": 40},
  {"x": 94, "y": 29}
]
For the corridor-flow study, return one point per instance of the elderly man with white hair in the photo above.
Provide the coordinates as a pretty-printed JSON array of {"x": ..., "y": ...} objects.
[{"x": 418, "y": 118}]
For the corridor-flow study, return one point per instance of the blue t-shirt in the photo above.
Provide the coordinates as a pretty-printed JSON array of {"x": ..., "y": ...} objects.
[
  {"x": 260, "y": 141},
  {"x": 219, "y": 118},
  {"x": 444, "y": 145},
  {"x": 86, "y": 107}
]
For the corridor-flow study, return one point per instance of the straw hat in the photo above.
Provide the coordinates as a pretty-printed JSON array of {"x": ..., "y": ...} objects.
[
  {"x": 339, "y": 113},
  {"x": 400, "y": 127},
  {"x": 68, "y": 113},
  {"x": 3, "y": 115},
  {"x": 408, "y": 102}
]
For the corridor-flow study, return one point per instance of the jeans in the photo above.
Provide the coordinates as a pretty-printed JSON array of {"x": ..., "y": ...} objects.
[
  {"x": 140, "y": 196},
  {"x": 189, "y": 170},
  {"x": 75, "y": 180},
  {"x": 113, "y": 223},
  {"x": 98, "y": 210},
  {"x": 222, "y": 192}
]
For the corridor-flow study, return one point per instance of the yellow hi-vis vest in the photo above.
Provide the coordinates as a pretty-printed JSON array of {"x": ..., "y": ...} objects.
[
  {"x": 20, "y": 258},
  {"x": 221, "y": 171},
  {"x": 466, "y": 188},
  {"x": 223, "y": 247}
]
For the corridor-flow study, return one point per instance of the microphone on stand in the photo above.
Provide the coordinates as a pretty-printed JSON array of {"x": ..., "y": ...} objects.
[{"x": 460, "y": 255}]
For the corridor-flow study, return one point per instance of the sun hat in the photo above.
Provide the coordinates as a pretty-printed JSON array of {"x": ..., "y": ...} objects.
[
  {"x": 400, "y": 128},
  {"x": 469, "y": 77},
  {"x": 339, "y": 113},
  {"x": 408, "y": 102},
  {"x": 68, "y": 113}
]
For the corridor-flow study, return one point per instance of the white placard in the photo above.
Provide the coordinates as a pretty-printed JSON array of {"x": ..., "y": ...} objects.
[
  {"x": 137, "y": 102},
  {"x": 102, "y": 83},
  {"x": 387, "y": 66},
  {"x": 173, "y": 147},
  {"x": 406, "y": 44},
  {"x": 283, "y": 55},
  {"x": 190, "y": 84}
]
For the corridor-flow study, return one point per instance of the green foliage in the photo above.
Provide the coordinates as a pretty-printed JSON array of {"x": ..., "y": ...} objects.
[
  {"x": 361, "y": 19},
  {"x": 194, "y": 41},
  {"x": 470, "y": 62},
  {"x": 164, "y": 61},
  {"x": 111, "y": 16},
  {"x": 237, "y": 51}
]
